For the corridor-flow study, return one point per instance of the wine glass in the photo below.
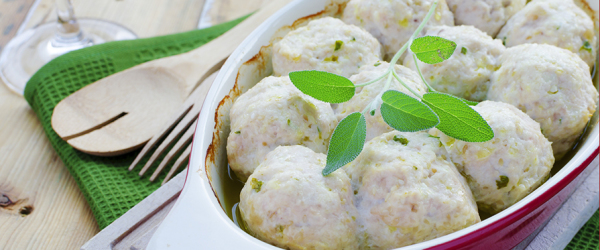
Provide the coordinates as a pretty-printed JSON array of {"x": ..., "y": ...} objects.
[{"x": 30, "y": 50}]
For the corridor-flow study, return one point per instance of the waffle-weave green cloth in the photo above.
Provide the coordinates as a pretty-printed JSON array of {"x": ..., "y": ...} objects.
[
  {"x": 587, "y": 237},
  {"x": 109, "y": 188}
]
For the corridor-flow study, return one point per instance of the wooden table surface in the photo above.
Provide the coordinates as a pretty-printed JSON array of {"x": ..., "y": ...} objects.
[
  {"x": 41, "y": 207},
  {"x": 48, "y": 211}
]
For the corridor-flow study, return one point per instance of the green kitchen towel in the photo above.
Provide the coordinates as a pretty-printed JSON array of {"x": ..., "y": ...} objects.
[
  {"x": 587, "y": 237},
  {"x": 108, "y": 187}
]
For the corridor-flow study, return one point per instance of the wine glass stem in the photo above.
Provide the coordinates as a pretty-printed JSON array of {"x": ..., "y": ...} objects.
[{"x": 68, "y": 32}]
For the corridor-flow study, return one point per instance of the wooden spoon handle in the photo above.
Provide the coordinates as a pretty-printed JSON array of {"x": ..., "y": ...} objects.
[{"x": 199, "y": 63}]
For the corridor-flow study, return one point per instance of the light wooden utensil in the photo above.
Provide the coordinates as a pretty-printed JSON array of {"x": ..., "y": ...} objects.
[
  {"x": 121, "y": 112},
  {"x": 186, "y": 118}
]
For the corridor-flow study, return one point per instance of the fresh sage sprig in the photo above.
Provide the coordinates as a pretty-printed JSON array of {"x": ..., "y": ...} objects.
[
  {"x": 432, "y": 49},
  {"x": 347, "y": 141},
  {"x": 450, "y": 114},
  {"x": 397, "y": 107},
  {"x": 323, "y": 86}
]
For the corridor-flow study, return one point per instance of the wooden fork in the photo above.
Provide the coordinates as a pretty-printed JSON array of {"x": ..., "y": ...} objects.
[{"x": 186, "y": 118}]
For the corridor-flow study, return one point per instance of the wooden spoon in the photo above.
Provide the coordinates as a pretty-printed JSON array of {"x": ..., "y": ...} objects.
[{"x": 121, "y": 112}]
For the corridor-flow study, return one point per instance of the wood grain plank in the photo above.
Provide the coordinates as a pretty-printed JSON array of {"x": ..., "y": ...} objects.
[
  {"x": 12, "y": 14},
  {"x": 33, "y": 177},
  {"x": 31, "y": 174},
  {"x": 226, "y": 10}
]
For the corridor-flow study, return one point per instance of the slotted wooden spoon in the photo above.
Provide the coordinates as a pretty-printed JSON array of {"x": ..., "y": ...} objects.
[{"x": 121, "y": 112}]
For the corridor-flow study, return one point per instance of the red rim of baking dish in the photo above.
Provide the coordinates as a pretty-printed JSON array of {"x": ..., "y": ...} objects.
[{"x": 481, "y": 238}]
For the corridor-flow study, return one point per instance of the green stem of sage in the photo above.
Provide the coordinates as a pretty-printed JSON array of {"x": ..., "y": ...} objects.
[
  {"x": 366, "y": 109},
  {"x": 387, "y": 84},
  {"x": 414, "y": 35},
  {"x": 422, "y": 25},
  {"x": 372, "y": 81},
  {"x": 383, "y": 90},
  {"x": 399, "y": 53},
  {"x": 391, "y": 72},
  {"x": 402, "y": 50},
  {"x": 373, "y": 104},
  {"x": 406, "y": 86},
  {"x": 421, "y": 74}
]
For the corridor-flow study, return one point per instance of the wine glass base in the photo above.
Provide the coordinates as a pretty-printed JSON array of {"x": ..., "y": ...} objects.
[{"x": 29, "y": 51}]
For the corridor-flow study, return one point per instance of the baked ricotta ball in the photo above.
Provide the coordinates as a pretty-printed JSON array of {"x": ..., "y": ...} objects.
[
  {"x": 486, "y": 15},
  {"x": 288, "y": 202},
  {"x": 325, "y": 44},
  {"x": 393, "y": 22},
  {"x": 552, "y": 85},
  {"x": 364, "y": 95},
  {"x": 274, "y": 113},
  {"x": 467, "y": 72},
  {"x": 505, "y": 169},
  {"x": 407, "y": 191},
  {"x": 556, "y": 22}
]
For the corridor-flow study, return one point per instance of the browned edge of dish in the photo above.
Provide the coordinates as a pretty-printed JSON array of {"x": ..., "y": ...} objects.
[
  {"x": 250, "y": 73},
  {"x": 585, "y": 6}
]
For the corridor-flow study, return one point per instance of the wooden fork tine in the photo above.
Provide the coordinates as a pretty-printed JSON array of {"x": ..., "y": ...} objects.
[
  {"x": 171, "y": 123},
  {"x": 177, "y": 131},
  {"x": 196, "y": 98},
  {"x": 187, "y": 105},
  {"x": 183, "y": 141},
  {"x": 188, "y": 150},
  {"x": 178, "y": 163}
]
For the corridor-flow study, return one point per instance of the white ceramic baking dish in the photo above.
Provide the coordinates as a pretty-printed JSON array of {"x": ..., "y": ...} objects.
[{"x": 201, "y": 217}]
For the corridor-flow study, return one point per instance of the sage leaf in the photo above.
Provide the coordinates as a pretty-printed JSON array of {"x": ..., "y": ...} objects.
[
  {"x": 323, "y": 86},
  {"x": 346, "y": 142},
  {"x": 405, "y": 113},
  {"x": 457, "y": 119},
  {"x": 432, "y": 49},
  {"x": 470, "y": 103}
]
